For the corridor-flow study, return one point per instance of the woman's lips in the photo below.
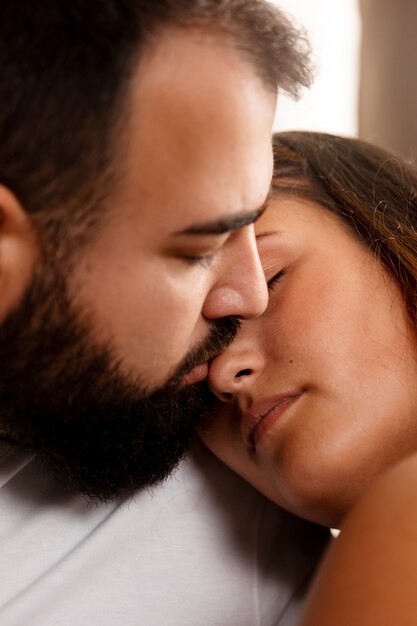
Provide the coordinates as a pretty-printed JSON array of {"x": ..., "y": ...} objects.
[{"x": 263, "y": 414}]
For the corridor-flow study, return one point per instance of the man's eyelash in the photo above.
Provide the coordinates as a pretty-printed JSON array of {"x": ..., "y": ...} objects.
[
  {"x": 275, "y": 279},
  {"x": 204, "y": 260}
]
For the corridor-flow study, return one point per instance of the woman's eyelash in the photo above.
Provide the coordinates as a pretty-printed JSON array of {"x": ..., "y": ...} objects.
[{"x": 275, "y": 279}]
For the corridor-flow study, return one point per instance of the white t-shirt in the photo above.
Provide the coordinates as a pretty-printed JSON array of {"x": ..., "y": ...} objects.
[{"x": 202, "y": 549}]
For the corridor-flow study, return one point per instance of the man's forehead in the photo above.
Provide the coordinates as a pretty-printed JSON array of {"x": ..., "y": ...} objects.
[
  {"x": 199, "y": 154},
  {"x": 193, "y": 47},
  {"x": 182, "y": 68}
]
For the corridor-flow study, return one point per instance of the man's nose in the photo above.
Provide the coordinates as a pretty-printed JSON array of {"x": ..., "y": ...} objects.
[{"x": 240, "y": 289}]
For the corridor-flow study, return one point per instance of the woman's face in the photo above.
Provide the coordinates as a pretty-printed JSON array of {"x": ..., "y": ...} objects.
[{"x": 320, "y": 392}]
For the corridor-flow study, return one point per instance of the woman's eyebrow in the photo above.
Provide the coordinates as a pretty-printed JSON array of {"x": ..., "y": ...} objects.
[
  {"x": 268, "y": 233},
  {"x": 223, "y": 225}
]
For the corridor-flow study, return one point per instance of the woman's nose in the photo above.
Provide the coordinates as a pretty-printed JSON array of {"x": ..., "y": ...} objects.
[{"x": 234, "y": 371}]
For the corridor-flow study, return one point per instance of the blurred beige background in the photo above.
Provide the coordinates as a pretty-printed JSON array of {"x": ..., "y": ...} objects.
[{"x": 366, "y": 82}]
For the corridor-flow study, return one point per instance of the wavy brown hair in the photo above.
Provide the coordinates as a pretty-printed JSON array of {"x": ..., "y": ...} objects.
[{"x": 370, "y": 189}]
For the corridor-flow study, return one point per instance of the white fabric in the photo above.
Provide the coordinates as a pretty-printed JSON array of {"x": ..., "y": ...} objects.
[{"x": 203, "y": 549}]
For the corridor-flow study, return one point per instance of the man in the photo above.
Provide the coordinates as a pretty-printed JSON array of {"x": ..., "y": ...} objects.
[{"x": 134, "y": 158}]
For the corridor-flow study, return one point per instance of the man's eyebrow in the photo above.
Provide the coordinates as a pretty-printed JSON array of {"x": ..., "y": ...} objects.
[{"x": 223, "y": 225}]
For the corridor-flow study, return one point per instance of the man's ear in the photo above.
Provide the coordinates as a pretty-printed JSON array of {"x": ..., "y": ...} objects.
[{"x": 18, "y": 250}]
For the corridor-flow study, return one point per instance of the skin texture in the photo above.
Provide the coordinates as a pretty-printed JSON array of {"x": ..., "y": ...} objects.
[
  {"x": 369, "y": 575},
  {"x": 335, "y": 334}
]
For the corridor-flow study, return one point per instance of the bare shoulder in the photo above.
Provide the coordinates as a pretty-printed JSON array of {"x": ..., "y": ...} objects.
[{"x": 369, "y": 575}]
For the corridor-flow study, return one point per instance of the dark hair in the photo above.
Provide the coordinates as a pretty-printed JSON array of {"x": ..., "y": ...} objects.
[
  {"x": 64, "y": 80},
  {"x": 371, "y": 190}
]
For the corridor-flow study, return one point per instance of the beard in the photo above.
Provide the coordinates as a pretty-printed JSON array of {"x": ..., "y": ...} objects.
[{"x": 66, "y": 399}]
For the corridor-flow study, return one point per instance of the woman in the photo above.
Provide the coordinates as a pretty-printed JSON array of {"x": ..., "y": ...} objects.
[{"x": 319, "y": 394}]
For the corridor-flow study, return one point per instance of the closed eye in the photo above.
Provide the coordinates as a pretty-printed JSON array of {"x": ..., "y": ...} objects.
[
  {"x": 275, "y": 279},
  {"x": 205, "y": 259}
]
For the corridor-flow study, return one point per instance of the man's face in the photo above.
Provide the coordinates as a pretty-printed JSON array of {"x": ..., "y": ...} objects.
[
  {"x": 98, "y": 364},
  {"x": 172, "y": 258}
]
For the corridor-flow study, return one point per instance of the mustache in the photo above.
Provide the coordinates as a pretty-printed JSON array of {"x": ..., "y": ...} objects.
[{"x": 221, "y": 334}]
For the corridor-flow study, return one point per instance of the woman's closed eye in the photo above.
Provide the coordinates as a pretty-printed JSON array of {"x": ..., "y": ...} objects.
[{"x": 274, "y": 280}]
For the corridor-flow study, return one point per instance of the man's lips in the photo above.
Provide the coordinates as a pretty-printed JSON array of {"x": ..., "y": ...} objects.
[
  {"x": 196, "y": 375},
  {"x": 263, "y": 413}
]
